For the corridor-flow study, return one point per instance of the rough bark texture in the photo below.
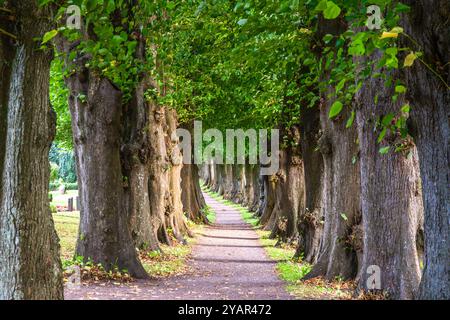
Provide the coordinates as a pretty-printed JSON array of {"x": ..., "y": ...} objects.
[
  {"x": 311, "y": 219},
  {"x": 428, "y": 24},
  {"x": 30, "y": 266},
  {"x": 158, "y": 172},
  {"x": 104, "y": 234},
  {"x": 340, "y": 197},
  {"x": 174, "y": 208},
  {"x": 191, "y": 195},
  {"x": 135, "y": 155},
  {"x": 390, "y": 198},
  {"x": 289, "y": 191}
]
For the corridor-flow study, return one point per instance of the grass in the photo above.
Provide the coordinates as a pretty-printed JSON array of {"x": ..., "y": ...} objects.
[
  {"x": 60, "y": 200},
  {"x": 66, "y": 225},
  {"x": 290, "y": 269},
  {"x": 170, "y": 261}
]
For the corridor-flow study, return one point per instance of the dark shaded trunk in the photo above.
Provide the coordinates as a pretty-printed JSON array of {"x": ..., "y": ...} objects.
[
  {"x": 30, "y": 265},
  {"x": 269, "y": 200},
  {"x": 289, "y": 191},
  {"x": 191, "y": 195},
  {"x": 311, "y": 219},
  {"x": 227, "y": 181},
  {"x": 340, "y": 197},
  {"x": 238, "y": 182},
  {"x": 219, "y": 181},
  {"x": 249, "y": 186},
  {"x": 390, "y": 198},
  {"x": 428, "y": 24},
  {"x": 257, "y": 188}
]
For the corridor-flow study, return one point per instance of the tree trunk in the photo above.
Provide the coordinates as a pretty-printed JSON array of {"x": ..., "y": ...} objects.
[
  {"x": 228, "y": 181},
  {"x": 430, "y": 100},
  {"x": 191, "y": 195},
  {"x": 311, "y": 219},
  {"x": 135, "y": 155},
  {"x": 249, "y": 187},
  {"x": 390, "y": 198},
  {"x": 289, "y": 192},
  {"x": 269, "y": 201},
  {"x": 159, "y": 167},
  {"x": 340, "y": 197},
  {"x": 174, "y": 207},
  {"x": 30, "y": 265},
  {"x": 104, "y": 235},
  {"x": 257, "y": 187}
]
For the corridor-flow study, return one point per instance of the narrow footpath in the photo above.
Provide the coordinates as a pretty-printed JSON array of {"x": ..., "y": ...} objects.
[{"x": 228, "y": 262}]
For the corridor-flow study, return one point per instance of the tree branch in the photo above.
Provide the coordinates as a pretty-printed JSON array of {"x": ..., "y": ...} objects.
[{"x": 7, "y": 34}]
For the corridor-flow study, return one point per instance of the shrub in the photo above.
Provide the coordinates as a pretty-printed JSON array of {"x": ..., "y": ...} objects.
[
  {"x": 53, "y": 208},
  {"x": 54, "y": 186},
  {"x": 71, "y": 186}
]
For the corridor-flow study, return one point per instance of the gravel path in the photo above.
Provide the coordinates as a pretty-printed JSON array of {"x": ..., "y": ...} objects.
[{"x": 228, "y": 262}]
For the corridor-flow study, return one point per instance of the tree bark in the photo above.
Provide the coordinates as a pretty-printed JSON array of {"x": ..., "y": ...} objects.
[
  {"x": 289, "y": 191},
  {"x": 191, "y": 195},
  {"x": 311, "y": 219},
  {"x": 104, "y": 235},
  {"x": 390, "y": 198},
  {"x": 340, "y": 197},
  {"x": 135, "y": 155},
  {"x": 174, "y": 209},
  {"x": 429, "y": 99},
  {"x": 30, "y": 265}
]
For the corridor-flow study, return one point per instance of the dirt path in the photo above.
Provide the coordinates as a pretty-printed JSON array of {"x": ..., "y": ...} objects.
[{"x": 228, "y": 263}]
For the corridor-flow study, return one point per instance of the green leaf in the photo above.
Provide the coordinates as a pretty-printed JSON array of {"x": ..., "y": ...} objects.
[
  {"x": 344, "y": 216},
  {"x": 49, "y": 36},
  {"x": 332, "y": 11},
  {"x": 384, "y": 150},
  {"x": 387, "y": 119},
  {"x": 350, "y": 120},
  {"x": 335, "y": 109},
  {"x": 322, "y": 5},
  {"x": 382, "y": 135},
  {"x": 327, "y": 38},
  {"x": 400, "y": 89},
  {"x": 340, "y": 85},
  {"x": 406, "y": 108}
]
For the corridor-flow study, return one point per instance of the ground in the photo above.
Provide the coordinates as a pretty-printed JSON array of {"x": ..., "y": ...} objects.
[{"x": 230, "y": 259}]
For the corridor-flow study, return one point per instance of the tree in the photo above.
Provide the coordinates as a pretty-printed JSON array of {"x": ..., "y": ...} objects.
[{"x": 30, "y": 265}]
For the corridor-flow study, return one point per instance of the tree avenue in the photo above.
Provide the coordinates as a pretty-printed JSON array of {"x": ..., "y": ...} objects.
[{"x": 357, "y": 90}]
